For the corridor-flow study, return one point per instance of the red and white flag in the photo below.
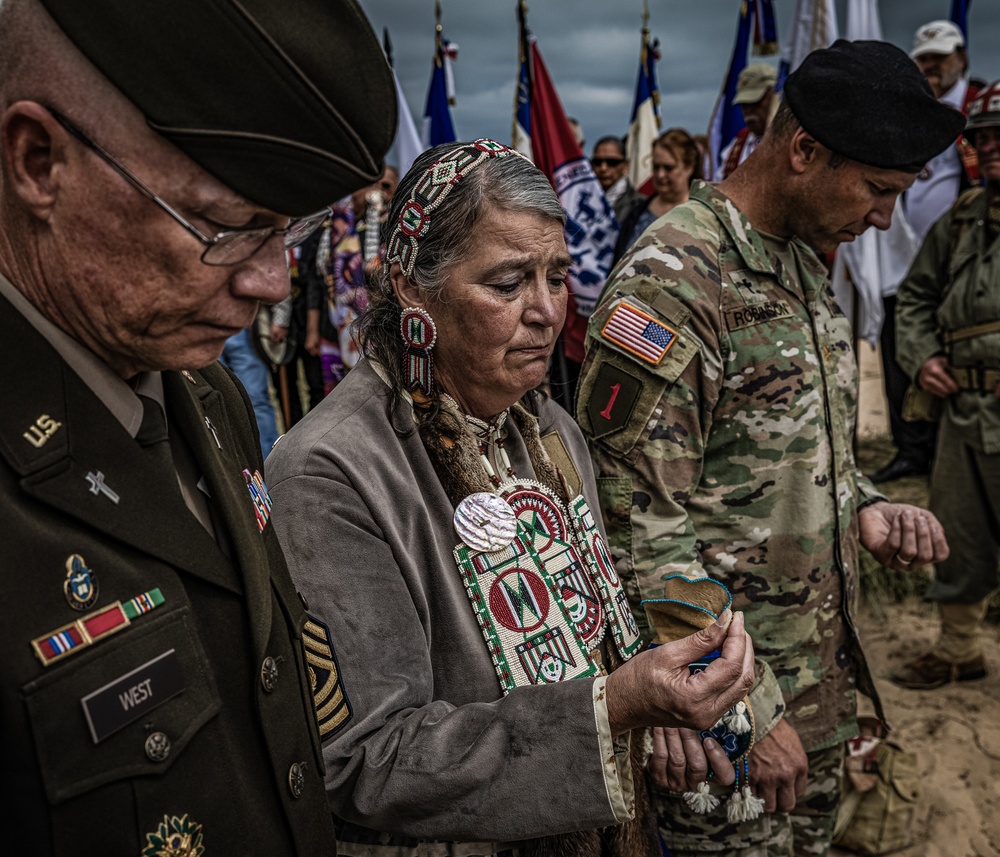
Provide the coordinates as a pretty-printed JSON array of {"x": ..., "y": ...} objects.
[
  {"x": 644, "y": 127},
  {"x": 591, "y": 228}
]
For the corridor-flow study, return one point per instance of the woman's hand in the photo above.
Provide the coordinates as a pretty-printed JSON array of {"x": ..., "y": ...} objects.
[{"x": 656, "y": 688}]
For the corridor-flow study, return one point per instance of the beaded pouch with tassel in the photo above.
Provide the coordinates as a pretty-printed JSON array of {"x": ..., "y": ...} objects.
[{"x": 689, "y": 605}]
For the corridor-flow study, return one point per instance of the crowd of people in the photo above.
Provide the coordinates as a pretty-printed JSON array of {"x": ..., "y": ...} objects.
[{"x": 446, "y": 616}]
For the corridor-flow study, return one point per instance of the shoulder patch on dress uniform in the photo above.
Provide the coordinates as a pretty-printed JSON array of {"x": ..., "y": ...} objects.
[
  {"x": 638, "y": 333},
  {"x": 612, "y": 399},
  {"x": 333, "y": 708}
]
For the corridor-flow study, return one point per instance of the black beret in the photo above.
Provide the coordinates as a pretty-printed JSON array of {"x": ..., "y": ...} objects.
[
  {"x": 869, "y": 102},
  {"x": 290, "y": 103}
]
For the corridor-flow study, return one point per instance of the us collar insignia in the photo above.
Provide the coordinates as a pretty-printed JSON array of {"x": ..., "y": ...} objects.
[
  {"x": 261, "y": 499},
  {"x": 175, "y": 837},
  {"x": 80, "y": 585},
  {"x": 39, "y": 433},
  {"x": 57, "y": 644}
]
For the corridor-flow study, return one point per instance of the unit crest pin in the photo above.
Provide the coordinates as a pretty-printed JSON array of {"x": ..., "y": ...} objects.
[{"x": 80, "y": 585}]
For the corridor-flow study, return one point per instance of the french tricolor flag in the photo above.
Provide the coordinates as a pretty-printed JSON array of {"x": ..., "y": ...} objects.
[{"x": 645, "y": 124}]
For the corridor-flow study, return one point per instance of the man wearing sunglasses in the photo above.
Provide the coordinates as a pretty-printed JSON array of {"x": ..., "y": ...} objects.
[
  {"x": 611, "y": 168},
  {"x": 164, "y": 691}
]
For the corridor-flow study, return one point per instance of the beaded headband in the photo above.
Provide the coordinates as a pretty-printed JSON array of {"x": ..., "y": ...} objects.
[{"x": 428, "y": 194}]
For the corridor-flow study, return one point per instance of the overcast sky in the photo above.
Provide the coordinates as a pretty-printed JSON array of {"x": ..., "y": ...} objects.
[{"x": 591, "y": 48}]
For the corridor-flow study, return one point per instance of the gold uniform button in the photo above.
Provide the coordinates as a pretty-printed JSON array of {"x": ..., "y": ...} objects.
[
  {"x": 157, "y": 747},
  {"x": 297, "y": 779},
  {"x": 269, "y": 674}
]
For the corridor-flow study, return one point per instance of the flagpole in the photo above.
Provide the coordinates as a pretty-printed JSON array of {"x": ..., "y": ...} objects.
[
  {"x": 438, "y": 29},
  {"x": 522, "y": 59}
]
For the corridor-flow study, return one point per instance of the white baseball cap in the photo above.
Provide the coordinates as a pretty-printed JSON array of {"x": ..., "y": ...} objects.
[{"x": 937, "y": 37}]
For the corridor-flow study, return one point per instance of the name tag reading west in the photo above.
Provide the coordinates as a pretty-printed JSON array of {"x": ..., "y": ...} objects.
[{"x": 118, "y": 703}]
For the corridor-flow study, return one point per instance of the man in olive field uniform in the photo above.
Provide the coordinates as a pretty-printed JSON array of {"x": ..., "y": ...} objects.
[
  {"x": 948, "y": 338},
  {"x": 158, "y": 665},
  {"x": 719, "y": 396}
]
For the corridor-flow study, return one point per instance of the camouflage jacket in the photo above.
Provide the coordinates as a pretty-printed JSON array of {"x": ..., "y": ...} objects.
[
  {"x": 951, "y": 285},
  {"x": 719, "y": 397}
]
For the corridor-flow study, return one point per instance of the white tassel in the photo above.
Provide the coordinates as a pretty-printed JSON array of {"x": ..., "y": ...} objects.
[
  {"x": 753, "y": 806},
  {"x": 701, "y": 801},
  {"x": 736, "y": 719},
  {"x": 734, "y": 808}
]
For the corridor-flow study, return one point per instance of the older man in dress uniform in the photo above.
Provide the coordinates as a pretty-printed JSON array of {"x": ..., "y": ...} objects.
[{"x": 161, "y": 680}]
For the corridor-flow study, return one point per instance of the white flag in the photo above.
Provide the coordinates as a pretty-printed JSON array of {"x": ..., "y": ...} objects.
[{"x": 814, "y": 26}]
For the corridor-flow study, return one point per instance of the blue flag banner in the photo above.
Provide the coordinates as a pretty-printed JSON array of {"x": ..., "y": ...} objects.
[
  {"x": 438, "y": 127},
  {"x": 727, "y": 118},
  {"x": 765, "y": 30},
  {"x": 960, "y": 17}
]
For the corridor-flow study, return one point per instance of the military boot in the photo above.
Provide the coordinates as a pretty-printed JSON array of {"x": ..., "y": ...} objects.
[{"x": 929, "y": 671}]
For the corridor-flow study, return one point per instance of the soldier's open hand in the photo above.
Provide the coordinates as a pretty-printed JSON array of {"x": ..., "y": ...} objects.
[{"x": 899, "y": 535}]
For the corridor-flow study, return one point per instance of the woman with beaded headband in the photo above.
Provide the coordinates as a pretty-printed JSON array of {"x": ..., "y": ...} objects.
[{"x": 484, "y": 679}]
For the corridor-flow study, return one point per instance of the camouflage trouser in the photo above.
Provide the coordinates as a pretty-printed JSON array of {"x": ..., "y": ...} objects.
[{"x": 805, "y": 831}]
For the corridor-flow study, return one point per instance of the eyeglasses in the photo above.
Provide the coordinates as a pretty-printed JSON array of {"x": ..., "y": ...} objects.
[
  {"x": 224, "y": 248},
  {"x": 607, "y": 162}
]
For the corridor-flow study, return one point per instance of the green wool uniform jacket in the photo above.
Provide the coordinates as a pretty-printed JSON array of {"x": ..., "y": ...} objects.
[
  {"x": 173, "y": 734},
  {"x": 952, "y": 284}
]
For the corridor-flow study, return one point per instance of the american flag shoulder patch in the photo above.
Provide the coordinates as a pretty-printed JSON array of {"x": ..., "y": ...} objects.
[{"x": 638, "y": 333}]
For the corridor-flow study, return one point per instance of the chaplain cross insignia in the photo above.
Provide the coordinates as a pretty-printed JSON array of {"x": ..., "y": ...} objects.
[{"x": 97, "y": 486}]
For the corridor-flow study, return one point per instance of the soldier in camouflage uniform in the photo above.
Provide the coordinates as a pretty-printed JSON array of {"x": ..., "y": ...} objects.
[
  {"x": 719, "y": 396},
  {"x": 949, "y": 342}
]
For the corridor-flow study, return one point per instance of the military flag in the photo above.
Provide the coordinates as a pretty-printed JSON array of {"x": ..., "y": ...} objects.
[
  {"x": 521, "y": 132},
  {"x": 438, "y": 127},
  {"x": 591, "y": 228},
  {"x": 644, "y": 126},
  {"x": 727, "y": 118},
  {"x": 765, "y": 30}
]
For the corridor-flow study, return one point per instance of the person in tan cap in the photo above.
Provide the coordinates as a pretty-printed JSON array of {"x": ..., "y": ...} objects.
[
  {"x": 755, "y": 95},
  {"x": 164, "y": 692}
]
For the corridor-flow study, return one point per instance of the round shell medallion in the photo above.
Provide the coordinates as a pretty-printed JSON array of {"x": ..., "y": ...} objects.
[{"x": 485, "y": 522}]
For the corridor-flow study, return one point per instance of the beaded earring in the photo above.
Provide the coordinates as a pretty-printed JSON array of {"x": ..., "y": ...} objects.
[{"x": 419, "y": 336}]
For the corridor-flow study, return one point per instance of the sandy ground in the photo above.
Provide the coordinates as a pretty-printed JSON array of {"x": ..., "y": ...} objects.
[{"x": 955, "y": 730}]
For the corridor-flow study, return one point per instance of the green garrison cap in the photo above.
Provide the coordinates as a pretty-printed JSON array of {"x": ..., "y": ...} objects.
[
  {"x": 869, "y": 102},
  {"x": 290, "y": 103}
]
